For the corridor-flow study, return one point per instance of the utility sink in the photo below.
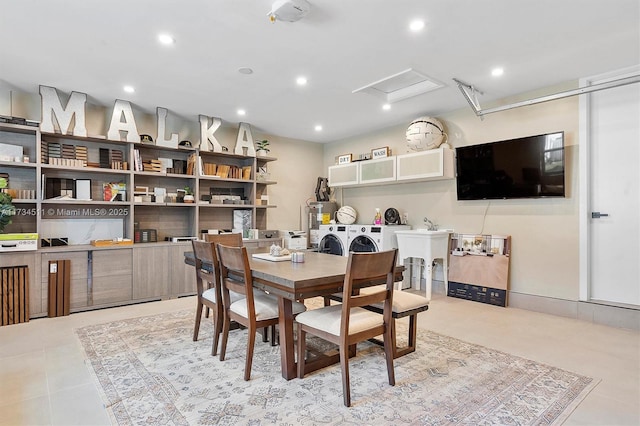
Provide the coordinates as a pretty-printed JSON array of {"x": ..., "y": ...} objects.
[
  {"x": 428, "y": 245},
  {"x": 423, "y": 243},
  {"x": 425, "y": 231}
]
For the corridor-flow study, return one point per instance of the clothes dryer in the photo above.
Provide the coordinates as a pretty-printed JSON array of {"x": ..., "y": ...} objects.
[{"x": 334, "y": 239}]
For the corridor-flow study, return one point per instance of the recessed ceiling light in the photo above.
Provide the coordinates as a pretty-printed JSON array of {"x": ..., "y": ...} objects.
[
  {"x": 497, "y": 72},
  {"x": 129, "y": 89},
  {"x": 301, "y": 81},
  {"x": 416, "y": 25},
  {"x": 166, "y": 39},
  {"x": 245, "y": 70},
  {"x": 386, "y": 107},
  {"x": 242, "y": 112},
  {"x": 318, "y": 128}
]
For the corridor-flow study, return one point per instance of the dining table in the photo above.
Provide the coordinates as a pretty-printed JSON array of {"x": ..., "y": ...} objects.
[{"x": 320, "y": 274}]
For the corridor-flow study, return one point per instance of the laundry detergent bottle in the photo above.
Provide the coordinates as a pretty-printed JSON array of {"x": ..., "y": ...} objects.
[{"x": 378, "y": 218}]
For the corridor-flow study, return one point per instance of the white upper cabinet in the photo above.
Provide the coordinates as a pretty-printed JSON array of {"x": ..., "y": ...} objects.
[
  {"x": 379, "y": 170},
  {"x": 434, "y": 164},
  {"x": 343, "y": 175}
]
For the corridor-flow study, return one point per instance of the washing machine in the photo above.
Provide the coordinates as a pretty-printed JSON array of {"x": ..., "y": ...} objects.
[
  {"x": 374, "y": 238},
  {"x": 334, "y": 239}
]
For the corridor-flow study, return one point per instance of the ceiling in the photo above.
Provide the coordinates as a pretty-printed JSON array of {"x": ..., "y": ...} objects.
[{"x": 98, "y": 47}]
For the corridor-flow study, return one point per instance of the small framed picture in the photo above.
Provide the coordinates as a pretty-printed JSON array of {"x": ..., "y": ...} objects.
[
  {"x": 380, "y": 152},
  {"x": 344, "y": 159}
]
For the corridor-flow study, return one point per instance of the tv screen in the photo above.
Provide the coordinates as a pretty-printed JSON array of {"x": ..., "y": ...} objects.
[{"x": 529, "y": 167}]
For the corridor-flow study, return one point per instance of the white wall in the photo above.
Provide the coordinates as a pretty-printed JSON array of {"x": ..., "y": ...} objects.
[
  {"x": 297, "y": 170},
  {"x": 544, "y": 232},
  {"x": 544, "y": 257}
]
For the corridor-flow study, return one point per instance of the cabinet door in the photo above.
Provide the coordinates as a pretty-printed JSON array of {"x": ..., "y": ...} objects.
[
  {"x": 183, "y": 276},
  {"x": 151, "y": 271},
  {"x": 35, "y": 286},
  {"x": 343, "y": 175},
  {"x": 112, "y": 272},
  {"x": 79, "y": 296},
  {"x": 379, "y": 170},
  {"x": 426, "y": 165}
]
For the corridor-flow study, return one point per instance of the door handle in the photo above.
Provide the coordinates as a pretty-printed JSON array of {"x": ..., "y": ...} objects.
[{"x": 598, "y": 215}]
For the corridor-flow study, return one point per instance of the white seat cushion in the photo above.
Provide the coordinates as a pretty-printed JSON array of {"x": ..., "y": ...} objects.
[
  {"x": 266, "y": 306},
  {"x": 328, "y": 319},
  {"x": 210, "y": 294},
  {"x": 402, "y": 301}
]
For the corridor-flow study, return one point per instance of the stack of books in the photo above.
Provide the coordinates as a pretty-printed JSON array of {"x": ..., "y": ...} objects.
[
  {"x": 68, "y": 152},
  {"x": 116, "y": 159},
  {"x": 152, "y": 166},
  {"x": 54, "y": 150},
  {"x": 81, "y": 154},
  {"x": 44, "y": 152}
]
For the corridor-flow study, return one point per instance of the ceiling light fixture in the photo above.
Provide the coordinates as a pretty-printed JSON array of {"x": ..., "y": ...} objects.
[
  {"x": 166, "y": 39},
  {"x": 288, "y": 10},
  {"x": 416, "y": 25},
  {"x": 318, "y": 128},
  {"x": 242, "y": 112},
  {"x": 386, "y": 107},
  {"x": 497, "y": 72},
  {"x": 129, "y": 89},
  {"x": 245, "y": 70},
  {"x": 301, "y": 81}
]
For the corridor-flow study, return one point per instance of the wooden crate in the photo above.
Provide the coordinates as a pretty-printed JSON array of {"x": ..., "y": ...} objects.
[{"x": 14, "y": 291}]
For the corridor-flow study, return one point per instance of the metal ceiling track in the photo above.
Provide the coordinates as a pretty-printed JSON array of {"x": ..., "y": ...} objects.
[{"x": 470, "y": 94}]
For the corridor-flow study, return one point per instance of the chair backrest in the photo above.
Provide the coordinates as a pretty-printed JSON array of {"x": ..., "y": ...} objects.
[
  {"x": 235, "y": 274},
  {"x": 233, "y": 240},
  {"x": 377, "y": 267},
  {"x": 206, "y": 258}
]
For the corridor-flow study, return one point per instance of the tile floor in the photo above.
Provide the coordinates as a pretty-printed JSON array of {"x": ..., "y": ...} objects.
[{"x": 43, "y": 379}]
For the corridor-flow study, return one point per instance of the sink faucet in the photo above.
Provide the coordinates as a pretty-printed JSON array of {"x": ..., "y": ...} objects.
[{"x": 430, "y": 225}]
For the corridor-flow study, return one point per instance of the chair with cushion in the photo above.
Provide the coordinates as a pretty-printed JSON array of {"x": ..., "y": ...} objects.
[
  {"x": 255, "y": 310},
  {"x": 234, "y": 240},
  {"x": 349, "y": 323},
  {"x": 208, "y": 282},
  {"x": 405, "y": 304}
]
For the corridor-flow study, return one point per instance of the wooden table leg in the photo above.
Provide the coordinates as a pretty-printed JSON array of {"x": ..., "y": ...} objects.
[{"x": 287, "y": 349}]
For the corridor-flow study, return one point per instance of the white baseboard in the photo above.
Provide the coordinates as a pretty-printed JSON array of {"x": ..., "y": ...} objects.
[{"x": 597, "y": 313}]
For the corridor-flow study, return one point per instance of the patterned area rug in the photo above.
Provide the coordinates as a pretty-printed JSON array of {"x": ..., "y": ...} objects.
[{"x": 150, "y": 371}]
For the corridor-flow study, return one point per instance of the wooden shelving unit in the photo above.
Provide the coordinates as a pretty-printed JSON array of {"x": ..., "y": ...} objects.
[{"x": 117, "y": 275}]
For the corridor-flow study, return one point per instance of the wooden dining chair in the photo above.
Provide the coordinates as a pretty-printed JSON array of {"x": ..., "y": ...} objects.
[
  {"x": 404, "y": 304},
  {"x": 208, "y": 282},
  {"x": 255, "y": 310},
  {"x": 234, "y": 240},
  {"x": 349, "y": 323}
]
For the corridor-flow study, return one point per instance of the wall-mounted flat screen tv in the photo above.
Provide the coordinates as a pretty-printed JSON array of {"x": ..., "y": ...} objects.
[{"x": 528, "y": 167}]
